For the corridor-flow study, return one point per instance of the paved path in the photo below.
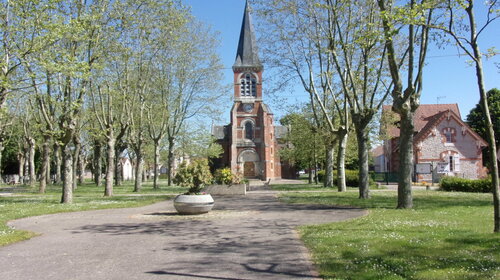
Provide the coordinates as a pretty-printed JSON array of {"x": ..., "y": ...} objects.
[{"x": 247, "y": 237}]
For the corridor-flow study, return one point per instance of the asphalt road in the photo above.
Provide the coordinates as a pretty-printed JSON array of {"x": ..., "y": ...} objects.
[{"x": 244, "y": 237}]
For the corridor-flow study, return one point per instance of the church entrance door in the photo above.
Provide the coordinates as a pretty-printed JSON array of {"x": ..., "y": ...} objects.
[{"x": 249, "y": 169}]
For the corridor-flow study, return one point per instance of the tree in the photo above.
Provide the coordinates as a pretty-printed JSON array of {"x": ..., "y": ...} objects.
[
  {"x": 20, "y": 22},
  {"x": 461, "y": 25},
  {"x": 295, "y": 43},
  {"x": 303, "y": 141},
  {"x": 406, "y": 101},
  {"x": 476, "y": 120},
  {"x": 196, "y": 75},
  {"x": 75, "y": 34},
  {"x": 358, "y": 53}
]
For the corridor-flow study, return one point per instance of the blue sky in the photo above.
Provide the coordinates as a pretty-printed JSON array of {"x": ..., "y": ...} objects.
[{"x": 447, "y": 77}]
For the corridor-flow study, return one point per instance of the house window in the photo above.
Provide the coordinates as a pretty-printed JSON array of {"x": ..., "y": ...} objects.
[
  {"x": 454, "y": 163},
  {"x": 248, "y": 85},
  {"x": 248, "y": 130},
  {"x": 449, "y": 135}
]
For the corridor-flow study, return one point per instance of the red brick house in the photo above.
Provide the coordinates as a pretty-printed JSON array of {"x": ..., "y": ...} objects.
[
  {"x": 250, "y": 141},
  {"x": 443, "y": 144}
]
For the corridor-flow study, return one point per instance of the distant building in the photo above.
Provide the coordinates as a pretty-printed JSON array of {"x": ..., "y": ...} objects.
[
  {"x": 250, "y": 141},
  {"x": 443, "y": 144},
  {"x": 379, "y": 159},
  {"x": 126, "y": 168}
]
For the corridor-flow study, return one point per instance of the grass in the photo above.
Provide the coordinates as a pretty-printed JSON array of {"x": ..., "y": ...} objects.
[
  {"x": 300, "y": 187},
  {"x": 445, "y": 236},
  {"x": 27, "y": 202},
  {"x": 309, "y": 187}
]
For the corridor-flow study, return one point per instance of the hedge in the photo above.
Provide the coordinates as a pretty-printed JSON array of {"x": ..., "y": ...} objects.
[
  {"x": 465, "y": 185},
  {"x": 351, "y": 178}
]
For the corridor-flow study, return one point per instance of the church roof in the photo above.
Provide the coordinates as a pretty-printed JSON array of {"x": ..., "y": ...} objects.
[{"x": 246, "y": 54}]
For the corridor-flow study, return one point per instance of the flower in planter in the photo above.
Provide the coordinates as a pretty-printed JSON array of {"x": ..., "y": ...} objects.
[{"x": 193, "y": 176}]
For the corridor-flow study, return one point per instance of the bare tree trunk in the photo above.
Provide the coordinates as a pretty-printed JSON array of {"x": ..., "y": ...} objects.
[
  {"x": 343, "y": 135},
  {"x": 45, "y": 164},
  {"x": 405, "y": 198},
  {"x": 76, "y": 155},
  {"x": 1, "y": 151},
  {"x": 309, "y": 177},
  {"x": 328, "y": 180},
  {"x": 97, "y": 163},
  {"x": 363, "y": 176},
  {"x": 156, "y": 164},
  {"x": 170, "y": 160},
  {"x": 110, "y": 164},
  {"x": 67, "y": 192},
  {"x": 315, "y": 163},
  {"x": 21, "y": 159},
  {"x": 138, "y": 172},
  {"x": 81, "y": 167},
  {"x": 58, "y": 163},
  {"x": 31, "y": 163},
  {"x": 48, "y": 178}
]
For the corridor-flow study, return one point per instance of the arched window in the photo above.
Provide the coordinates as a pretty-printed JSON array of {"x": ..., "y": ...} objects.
[
  {"x": 248, "y": 130},
  {"x": 248, "y": 85}
]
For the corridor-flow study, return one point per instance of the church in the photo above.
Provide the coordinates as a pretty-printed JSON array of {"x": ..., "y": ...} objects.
[{"x": 251, "y": 141}]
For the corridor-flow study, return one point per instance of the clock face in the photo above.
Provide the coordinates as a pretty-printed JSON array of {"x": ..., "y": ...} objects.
[{"x": 247, "y": 107}]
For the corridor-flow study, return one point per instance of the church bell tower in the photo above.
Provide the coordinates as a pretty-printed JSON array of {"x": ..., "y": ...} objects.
[{"x": 253, "y": 143}]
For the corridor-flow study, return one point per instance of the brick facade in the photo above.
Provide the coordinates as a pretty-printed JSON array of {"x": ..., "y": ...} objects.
[
  {"x": 250, "y": 141},
  {"x": 441, "y": 138}
]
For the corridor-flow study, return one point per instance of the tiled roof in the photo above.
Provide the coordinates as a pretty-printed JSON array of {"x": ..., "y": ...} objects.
[{"x": 424, "y": 114}]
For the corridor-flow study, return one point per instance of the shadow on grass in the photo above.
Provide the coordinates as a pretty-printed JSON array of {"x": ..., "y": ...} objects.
[{"x": 450, "y": 259}]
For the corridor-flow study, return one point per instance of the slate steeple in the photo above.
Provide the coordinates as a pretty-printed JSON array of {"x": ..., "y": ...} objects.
[{"x": 246, "y": 55}]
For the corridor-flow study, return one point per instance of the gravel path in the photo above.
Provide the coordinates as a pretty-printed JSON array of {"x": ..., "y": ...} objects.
[{"x": 246, "y": 237}]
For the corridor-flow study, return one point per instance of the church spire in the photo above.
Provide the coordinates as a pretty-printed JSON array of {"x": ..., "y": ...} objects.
[{"x": 247, "y": 56}]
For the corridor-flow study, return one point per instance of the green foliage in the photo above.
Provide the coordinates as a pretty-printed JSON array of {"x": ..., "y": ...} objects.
[
  {"x": 465, "y": 185},
  {"x": 445, "y": 236},
  {"x": 351, "y": 178},
  {"x": 304, "y": 137},
  {"x": 475, "y": 118},
  {"x": 223, "y": 176},
  {"x": 226, "y": 177},
  {"x": 193, "y": 176}
]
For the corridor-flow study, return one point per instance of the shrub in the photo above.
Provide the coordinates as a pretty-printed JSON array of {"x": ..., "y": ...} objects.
[
  {"x": 193, "y": 176},
  {"x": 226, "y": 177},
  {"x": 465, "y": 185},
  {"x": 351, "y": 178}
]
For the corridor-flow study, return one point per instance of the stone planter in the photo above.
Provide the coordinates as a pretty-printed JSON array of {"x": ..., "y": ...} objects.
[
  {"x": 239, "y": 189},
  {"x": 193, "y": 204}
]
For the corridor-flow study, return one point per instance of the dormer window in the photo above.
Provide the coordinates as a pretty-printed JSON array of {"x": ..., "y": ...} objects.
[
  {"x": 449, "y": 135},
  {"x": 248, "y": 85}
]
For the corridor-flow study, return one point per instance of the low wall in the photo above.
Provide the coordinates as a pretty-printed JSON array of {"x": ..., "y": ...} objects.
[{"x": 240, "y": 189}]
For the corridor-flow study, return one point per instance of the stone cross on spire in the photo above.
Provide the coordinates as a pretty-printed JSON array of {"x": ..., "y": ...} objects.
[{"x": 246, "y": 55}]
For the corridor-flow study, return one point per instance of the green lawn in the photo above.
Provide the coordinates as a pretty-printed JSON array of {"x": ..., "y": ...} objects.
[
  {"x": 27, "y": 202},
  {"x": 308, "y": 187},
  {"x": 300, "y": 187},
  {"x": 446, "y": 236}
]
